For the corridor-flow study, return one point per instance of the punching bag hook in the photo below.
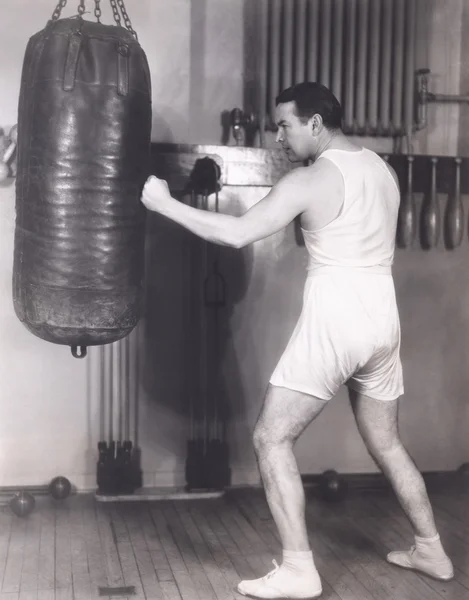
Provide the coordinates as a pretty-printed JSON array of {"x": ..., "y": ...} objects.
[
  {"x": 58, "y": 10},
  {"x": 82, "y": 351},
  {"x": 81, "y": 8}
]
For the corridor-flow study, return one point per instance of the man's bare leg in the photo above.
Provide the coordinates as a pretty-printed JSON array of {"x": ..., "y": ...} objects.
[
  {"x": 377, "y": 422},
  {"x": 283, "y": 418}
]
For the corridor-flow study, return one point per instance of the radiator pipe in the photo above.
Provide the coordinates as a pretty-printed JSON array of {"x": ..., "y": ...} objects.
[
  {"x": 385, "y": 83},
  {"x": 399, "y": 26},
  {"x": 300, "y": 40},
  {"x": 363, "y": 9},
  {"x": 411, "y": 22},
  {"x": 375, "y": 56},
  {"x": 274, "y": 83},
  {"x": 263, "y": 52},
  {"x": 337, "y": 42},
  {"x": 287, "y": 46},
  {"x": 326, "y": 15},
  {"x": 350, "y": 67},
  {"x": 312, "y": 40}
]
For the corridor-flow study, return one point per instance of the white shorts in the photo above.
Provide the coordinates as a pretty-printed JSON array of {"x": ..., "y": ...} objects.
[{"x": 348, "y": 333}]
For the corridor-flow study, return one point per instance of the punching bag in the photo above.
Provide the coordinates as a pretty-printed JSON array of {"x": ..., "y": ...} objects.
[{"x": 84, "y": 126}]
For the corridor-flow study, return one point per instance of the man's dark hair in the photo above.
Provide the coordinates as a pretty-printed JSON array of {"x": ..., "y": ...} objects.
[{"x": 313, "y": 98}]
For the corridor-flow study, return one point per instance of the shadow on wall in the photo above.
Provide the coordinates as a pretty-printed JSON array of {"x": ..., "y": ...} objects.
[{"x": 187, "y": 340}]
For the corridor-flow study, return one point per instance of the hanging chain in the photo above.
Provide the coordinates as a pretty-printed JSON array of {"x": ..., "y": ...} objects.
[
  {"x": 119, "y": 4},
  {"x": 115, "y": 5},
  {"x": 58, "y": 9},
  {"x": 115, "y": 10},
  {"x": 97, "y": 11},
  {"x": 127, "y": 22}
]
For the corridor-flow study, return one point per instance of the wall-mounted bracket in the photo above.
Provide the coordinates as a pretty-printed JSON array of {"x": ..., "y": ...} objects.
[{"x": 424, "y": 97}]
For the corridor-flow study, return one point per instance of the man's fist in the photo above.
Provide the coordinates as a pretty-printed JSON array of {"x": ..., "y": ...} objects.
[{"x": 156, "y": 194}]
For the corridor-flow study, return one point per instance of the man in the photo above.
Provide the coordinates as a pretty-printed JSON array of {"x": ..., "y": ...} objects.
[{"x": 348, "y": 331}]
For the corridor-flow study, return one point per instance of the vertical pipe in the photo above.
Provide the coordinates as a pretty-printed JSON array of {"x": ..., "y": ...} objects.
[
  {"x": 349, "y": 108},
  {"x": 337, "y": 44},
  {"x": 313, "y": 31},
  {"x": 203, "y": 333},
  {"x": 262, "y": 73},
  {"x": 300, "y": 41},
  {"x": 326, "y": 17},
  {"x": 287, "y": 47},
  {"x": 127, "y": 387},
  {"x": 118, "y": 362},
  {"x": 102, "y": 394},
  {"x": 110, "y": 396},
  {"x": 361, "y": 97},
  {"x": 375, "y": 16},
  {"x": 136, "y": 385},
  {"x": 397, "y": 93},
  {"x": 385, "y": 80},
  {"x": 193, "y": 245},
  {"x": 274, "y": 79},
  {"x": 409, "y": 80}
]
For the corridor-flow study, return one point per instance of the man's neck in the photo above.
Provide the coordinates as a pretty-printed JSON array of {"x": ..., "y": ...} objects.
[{"x": 335, "y": 141}]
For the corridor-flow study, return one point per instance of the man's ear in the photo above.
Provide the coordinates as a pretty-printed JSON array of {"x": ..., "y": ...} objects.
[{"x": 316, "y": 124}]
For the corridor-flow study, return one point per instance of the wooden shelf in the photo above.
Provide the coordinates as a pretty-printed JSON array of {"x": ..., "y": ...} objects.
[{"x": 242, "y": 166}]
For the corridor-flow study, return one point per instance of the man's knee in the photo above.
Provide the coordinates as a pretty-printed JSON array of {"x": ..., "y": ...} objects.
[
  {"x": 284, "y": 416},
  {"x": 265, "y": 437}
]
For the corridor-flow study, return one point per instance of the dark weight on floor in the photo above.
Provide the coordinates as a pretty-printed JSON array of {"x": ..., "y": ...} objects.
[
  {"x": 60, "y": 488},
  {"x": 332, "y": 486},
  {"x": 22, "y": 503}
]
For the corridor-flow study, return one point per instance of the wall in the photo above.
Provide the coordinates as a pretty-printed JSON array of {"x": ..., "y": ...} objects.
[{"x": 49, "y": 405}]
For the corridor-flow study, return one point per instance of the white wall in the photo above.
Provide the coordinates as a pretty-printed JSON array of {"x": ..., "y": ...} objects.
[{"x": 49, "y": 416}]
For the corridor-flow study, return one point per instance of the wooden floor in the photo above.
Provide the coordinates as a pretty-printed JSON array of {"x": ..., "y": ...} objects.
[{"x": 193, "y": 550}]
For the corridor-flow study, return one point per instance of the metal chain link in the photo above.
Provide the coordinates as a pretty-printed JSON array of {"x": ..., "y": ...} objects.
[
  {"x": 58, "y": 9},
  {"x": 97, "y": 10},
  {"x": 119, "y": 4},
  {"x": 115, "y": 5},
  {"x": 115, "y": 10},
  {"x": 127, "y": 22}
]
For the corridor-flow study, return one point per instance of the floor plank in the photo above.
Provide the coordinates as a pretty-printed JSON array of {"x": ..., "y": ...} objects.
[{"x": 201, "y": 549}]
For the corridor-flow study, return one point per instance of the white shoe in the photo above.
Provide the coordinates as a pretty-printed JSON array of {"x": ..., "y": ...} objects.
[
  {"x": 281, "y": 585},
  {"x": 440, "y": 568}
]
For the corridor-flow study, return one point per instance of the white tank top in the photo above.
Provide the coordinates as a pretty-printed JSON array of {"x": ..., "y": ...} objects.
[{"x": 363, "y": 234}]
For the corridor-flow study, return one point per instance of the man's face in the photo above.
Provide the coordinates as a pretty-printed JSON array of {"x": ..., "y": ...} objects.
[{"x": 296, "y": 137}]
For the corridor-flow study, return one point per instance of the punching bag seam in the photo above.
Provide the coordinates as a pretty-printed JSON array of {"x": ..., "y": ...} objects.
[
  {"x": 122, "y": 70},
  {"x": 131, "y": 42},
  {"x": 71, "y": 62}
]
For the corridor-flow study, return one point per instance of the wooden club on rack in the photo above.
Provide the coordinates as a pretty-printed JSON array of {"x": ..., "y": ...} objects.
[
  {"x": 406, "y": 224},
  {"x": 454, "y": 217},
  {"x": 430, "y": 215}
]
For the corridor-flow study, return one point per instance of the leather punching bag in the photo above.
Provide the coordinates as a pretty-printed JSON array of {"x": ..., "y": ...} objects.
[{"x": 84, "y": 128}]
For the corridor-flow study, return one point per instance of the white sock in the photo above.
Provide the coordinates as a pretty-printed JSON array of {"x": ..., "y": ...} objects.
[
  {"x": 431, "y": 544},
  {"x": 429, "y": 540},
  {"x": 298, "y": 561}
]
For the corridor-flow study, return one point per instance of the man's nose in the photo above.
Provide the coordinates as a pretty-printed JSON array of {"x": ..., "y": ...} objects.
[{"x": 279, "y": 137}]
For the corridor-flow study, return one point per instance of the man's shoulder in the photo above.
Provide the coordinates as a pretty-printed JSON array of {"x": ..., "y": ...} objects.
[{"x": 314, "y": 173}]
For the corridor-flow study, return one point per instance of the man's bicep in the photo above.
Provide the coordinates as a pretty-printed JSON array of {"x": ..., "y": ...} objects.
[{"x": 271, "y": 214}]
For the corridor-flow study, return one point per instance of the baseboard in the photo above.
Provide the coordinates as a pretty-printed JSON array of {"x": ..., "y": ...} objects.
[
  {"x": 247, "y": 478},
  {"x": 377, "y": 481}
]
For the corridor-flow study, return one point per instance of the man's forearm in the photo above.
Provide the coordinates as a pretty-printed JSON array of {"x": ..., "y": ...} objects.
[{"x": 211, "y": 226}]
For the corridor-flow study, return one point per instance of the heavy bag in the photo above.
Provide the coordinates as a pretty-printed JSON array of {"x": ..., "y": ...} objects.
[{"x": 84, "y": 129}]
